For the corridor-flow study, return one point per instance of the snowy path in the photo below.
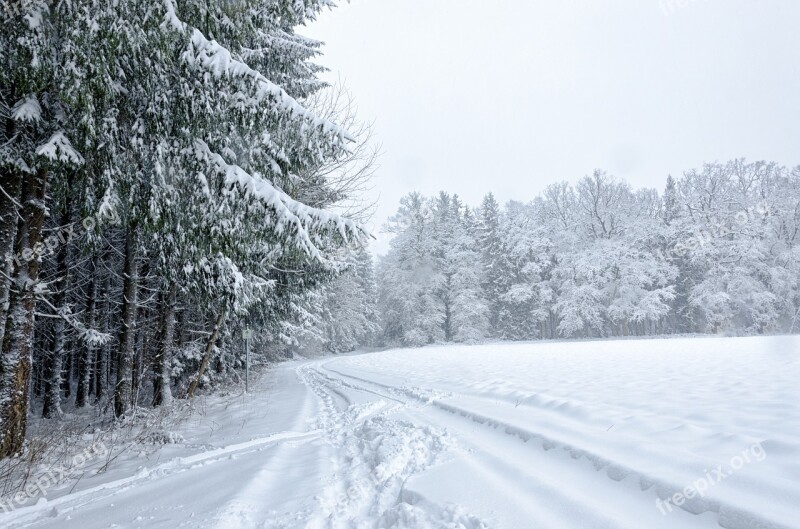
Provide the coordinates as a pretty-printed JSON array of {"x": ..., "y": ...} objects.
[{"x": 576, "y": 435}]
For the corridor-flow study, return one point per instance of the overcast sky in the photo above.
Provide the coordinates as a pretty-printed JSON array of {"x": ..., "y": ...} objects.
[{"x": 509, "y": 96}]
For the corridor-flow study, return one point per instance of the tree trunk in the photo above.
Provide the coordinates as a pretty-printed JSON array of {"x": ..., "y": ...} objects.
[
  {"x": 86, "y": 361},
  {"x": 11, "y": 182},
  {"x": 122, "y": 389},
  {"x": 162, "y": 393},
  {"x": 180, "y": 339},
  {"x": 138, "y": 356},
  {"x": 15, "y": 363},
  {"x": 447, "y": 326},
  {"x": 142, "y": 341},
  {"x": 101, "y": 358},
  {"x": 9, "y": 218},
  {"x": 52, "y": 392},
  {"x": 206, "y": 354},
  {"x": 52, "y": 384},
  {"x": 66, "y": 380},
  {"x": 37, "y": 369}
]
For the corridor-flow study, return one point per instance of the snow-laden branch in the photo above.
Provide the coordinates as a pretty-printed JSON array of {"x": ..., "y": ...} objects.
[
  {"x": 287, "y": 210},
  {"x": 59, "y": 149},
  {"x": 218, "y": 60},
  {"x": 90, "y": 337},
  {"x": 27, "y": 110}
]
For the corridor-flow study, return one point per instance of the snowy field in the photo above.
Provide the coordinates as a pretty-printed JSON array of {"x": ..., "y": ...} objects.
[{"x": 683, "y": 433}]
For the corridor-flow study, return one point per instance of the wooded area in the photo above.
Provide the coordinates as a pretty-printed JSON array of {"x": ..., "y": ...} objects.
[{"x": 167, "y": 174}]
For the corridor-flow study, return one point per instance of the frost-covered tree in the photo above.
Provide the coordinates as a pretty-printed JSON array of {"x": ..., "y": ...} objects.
[
  {"x": 408, "y": 275},
  {"x": 526, "y": 265},
  {"x": 737, "y": 245},
  {"x": 461, "y": 298},
  {"x": 349, "y": 309},
  {"x": 493, "y": 275},
  {"x": 431, "y": 278},
  {"x": 175, "y": 143},
  {"x": 717, "y": 252}
]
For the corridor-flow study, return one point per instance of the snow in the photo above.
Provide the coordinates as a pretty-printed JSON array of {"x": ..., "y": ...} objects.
[
  {"x": 583, "y": 434},
  {"x": 288, "y": 211},
  {"x": 172, "y": 18},
  {"x": 27, "y": 110},
  {"x": 59, "y": 149},
  {"x": 34, "y": 17},
  {"x": 218, "y": 60}
]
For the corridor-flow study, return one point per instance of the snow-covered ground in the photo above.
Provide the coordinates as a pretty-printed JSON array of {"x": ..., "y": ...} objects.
[{"x": 682, "y": 433}]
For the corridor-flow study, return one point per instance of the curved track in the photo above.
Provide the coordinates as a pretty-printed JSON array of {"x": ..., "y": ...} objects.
[{"x": 389, "y": 441}]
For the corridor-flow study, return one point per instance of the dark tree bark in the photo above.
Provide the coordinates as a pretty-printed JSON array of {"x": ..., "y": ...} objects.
[
  {"x": 9, "y": 219},
  {"x": 38, "y": 369},
  {"x": 212, "y": 340},
  {"x": 138, "y": 356},
  {"x": 11, "y": 182},
  {"x": 66, "y": 380},
  {"x": 15, "y": 369},
  {"x": 180, "y": 339},
  {"x": 101, "y": 358},
  {"x": 87, "y": 350},
  {"x": 130, "y": 290},
  {"x": 53, "y": 385},
  {"x": 162, "y": 392}
]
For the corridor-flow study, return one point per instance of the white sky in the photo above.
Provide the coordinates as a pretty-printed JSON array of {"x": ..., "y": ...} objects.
[{"x": 509, "y": 96}]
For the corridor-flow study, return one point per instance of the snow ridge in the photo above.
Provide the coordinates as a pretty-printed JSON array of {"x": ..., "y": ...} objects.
[
  {"x": 729, "y": 515},
  {"x": 377, "y": 454}
]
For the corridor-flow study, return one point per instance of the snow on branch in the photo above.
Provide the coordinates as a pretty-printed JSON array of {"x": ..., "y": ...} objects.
[
  {"x": 59, "y": 149},
  {"x": 172, "y": 18},
  {"x": 218, "y": 60},
  {"x": 288, "y": 211},
  {"x": 90, "y": 337},
  {"x": 27, "y": 110}
]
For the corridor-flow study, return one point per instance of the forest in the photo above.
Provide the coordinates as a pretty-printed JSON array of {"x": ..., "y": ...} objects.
[
  {"x": 168, "y": 178},
  {"x": 714, "y": 253},
  {"x": 540, "y": 278},
  {"x": 173, "y": 177}
]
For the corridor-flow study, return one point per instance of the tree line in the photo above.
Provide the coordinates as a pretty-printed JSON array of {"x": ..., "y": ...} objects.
[
  {"x": 174, "y": 172},
  {"x": 715, "y": 252},
  {"x": 169, "y": 172}
]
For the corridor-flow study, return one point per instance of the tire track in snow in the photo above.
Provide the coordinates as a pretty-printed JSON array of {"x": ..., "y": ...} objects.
[
  {"x": 266, "y": 494},
  {"x": 546, "y": 504},
  {"x": 727, "y": 515},
  {"x": 25, "y": 516},
  {"x": 376, "y": 455}
]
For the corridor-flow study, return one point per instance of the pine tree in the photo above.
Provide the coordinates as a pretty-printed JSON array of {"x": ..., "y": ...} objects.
[
  {"x": 350, "y": 317},
  {"x": 182, "y": 122},
  {"x": 430, "y": 279},
  {"x": 493, "y": 276}
]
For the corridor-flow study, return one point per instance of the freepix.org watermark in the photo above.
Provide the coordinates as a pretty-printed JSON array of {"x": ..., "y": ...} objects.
[
  {"x": 13, "y": 8},
  {"x": 53, "y": 477},
  {"x": 670, "y": 7},
  {"x": 701, "y": 486},
  {"x": 63, "y": 236},
  {"x": 698, "y": 239}
]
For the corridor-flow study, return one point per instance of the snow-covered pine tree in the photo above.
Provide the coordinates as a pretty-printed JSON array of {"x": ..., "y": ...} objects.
[
  {"x": 37, "y": 91},
  {"x": 526, "y": 264},
  {"x": 430, "y": 280},
  {"x": 494, "y": 277},
  {"x": 349, "y": 307},
  {"x": 457, "y": 260},
  {"x": 407, "y": 276},
  {"x": 184, "y": 120}
]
